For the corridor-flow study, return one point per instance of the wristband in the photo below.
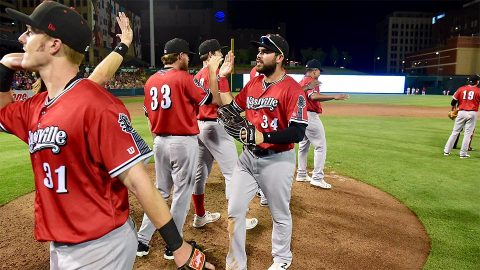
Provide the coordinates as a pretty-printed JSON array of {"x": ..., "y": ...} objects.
[
  {"x": 6, "y": 78},
  {"x": 121, "y": 49},
  {"x": 171, "y": 235}
]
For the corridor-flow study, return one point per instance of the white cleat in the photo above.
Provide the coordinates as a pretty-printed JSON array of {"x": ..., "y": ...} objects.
[
  {"x": 307, "y": 178},
  {"x": 199, "y": 222},
  {"x": 321, "y": 184},
  {"x": 251, "y": 223},
  {"x": 279, "y": 266}
]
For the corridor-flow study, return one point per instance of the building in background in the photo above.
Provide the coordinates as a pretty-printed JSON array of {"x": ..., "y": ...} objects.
[
  {"x": 100, "y": 14},
  {"x": 399, "y": 34},
  {"x": 456, "y": 44}
]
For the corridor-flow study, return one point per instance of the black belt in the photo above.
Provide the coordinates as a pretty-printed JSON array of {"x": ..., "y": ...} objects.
[
  {"x": 209, "y": 120},
  {"x": 260, "y": 152}
]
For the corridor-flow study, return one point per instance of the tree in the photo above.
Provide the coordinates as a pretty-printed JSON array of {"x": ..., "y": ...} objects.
[{"x": 334, "y": 56}]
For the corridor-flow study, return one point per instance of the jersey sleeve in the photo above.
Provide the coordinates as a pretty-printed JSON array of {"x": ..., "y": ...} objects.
[
  {"x": 296, "y": 103},
  {"x": 14, "y": 119},
  {"x": 240, "y": 100},
  {"x": 457, "y": 93},
  {"x": 196, "y": 91},
  {"x": 223, "y": 85},
  {"x": 115, "y": 143}
]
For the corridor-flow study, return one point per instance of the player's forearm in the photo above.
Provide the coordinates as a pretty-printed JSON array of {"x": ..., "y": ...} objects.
[
  {"x": 138, "y": 182},
  {"x": 226, "y": 97},
  {"x": 6, "y": 78},
  {"x": 107, "y": 68},
  {"x": 321, "y": 97},
  {"x": 212, "y": 74},
  {"x": 5, "y": 98}
]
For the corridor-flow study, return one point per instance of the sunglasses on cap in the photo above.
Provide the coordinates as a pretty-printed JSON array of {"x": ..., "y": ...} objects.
[{"x": 268, "y": 41}]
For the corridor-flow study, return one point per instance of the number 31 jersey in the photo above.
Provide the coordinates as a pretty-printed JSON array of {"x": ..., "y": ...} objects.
[{"x": 79, "y": 142}]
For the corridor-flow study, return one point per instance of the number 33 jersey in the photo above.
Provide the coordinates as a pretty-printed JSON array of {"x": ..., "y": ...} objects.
[{"x": 79, "y": 142}]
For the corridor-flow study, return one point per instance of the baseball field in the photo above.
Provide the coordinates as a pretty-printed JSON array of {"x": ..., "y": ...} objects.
[{"x": 396, "y": 202}]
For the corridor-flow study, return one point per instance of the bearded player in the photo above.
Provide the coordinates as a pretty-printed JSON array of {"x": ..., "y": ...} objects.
[{"x": 275, "y": 105}]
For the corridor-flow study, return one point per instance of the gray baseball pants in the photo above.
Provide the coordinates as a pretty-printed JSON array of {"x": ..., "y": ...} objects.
[{"x": 274, "y": 175}]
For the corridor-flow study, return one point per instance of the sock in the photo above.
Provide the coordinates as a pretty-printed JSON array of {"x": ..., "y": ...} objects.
[{"x": 198, "y": 204}]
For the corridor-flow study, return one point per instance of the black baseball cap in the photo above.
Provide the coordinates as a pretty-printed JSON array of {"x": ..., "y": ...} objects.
[
  {"x": 473, "y": 79},
  {"x": 177, "y": 45},
  {"x": 273, "y": 42},
  {"x": 314, "y": 63},
  {"x": 58, "y": 21},
  {"x": 210, "y": 45}
]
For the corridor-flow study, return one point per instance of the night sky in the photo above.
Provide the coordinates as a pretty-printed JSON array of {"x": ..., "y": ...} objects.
[{"x": 347, "y": 25}]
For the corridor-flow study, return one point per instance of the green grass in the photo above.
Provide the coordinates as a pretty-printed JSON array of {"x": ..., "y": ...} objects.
[
  {"x": 395, "y": 99},
  {"x": 400, "y": 155}
]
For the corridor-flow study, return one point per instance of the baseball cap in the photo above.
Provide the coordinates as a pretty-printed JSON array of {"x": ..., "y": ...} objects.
[
  {"x": 314, "y": 63},
  {"x": 273, "y": 42},
  {"x": 473, "y": 79},
  {"x": 58, "y": 21},
  {"x": 210, "y": 45},
  {"x": 177, "y": 45}
]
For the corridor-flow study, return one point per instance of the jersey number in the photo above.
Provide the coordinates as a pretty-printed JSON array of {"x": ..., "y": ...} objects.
[
  {"x": 468, "y": 96},
  {"x": 166, "y": 102},
  {"x": 273, "y": 124},
  {"x": 48, "y": 180}
]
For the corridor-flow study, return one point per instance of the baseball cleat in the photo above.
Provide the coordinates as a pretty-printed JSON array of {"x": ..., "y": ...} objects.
[
  {"x": 142, "y": 249},
  {"x": 321, "y": 184},
  {"x": 465, "y": 156},
  {"x": 199, "y": 222},
  {"x": 446, "y": 154},
  {"x": 279, "y": 266},
  {"x": 168, "y": 255},
  {"x": 251, "y": 223},
  {"x": 307, "y": 178}
]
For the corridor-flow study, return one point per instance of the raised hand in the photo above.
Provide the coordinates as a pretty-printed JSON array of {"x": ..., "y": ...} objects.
[
  {"x": 126, "y": 36},
  {"x": 227, "y": 65},
  {"x": 214, "y": 62}
]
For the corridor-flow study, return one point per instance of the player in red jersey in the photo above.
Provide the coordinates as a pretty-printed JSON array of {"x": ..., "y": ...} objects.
[
  {"x": 467, "y": 99},
  {"x": 315, "y": 132},
  {"x": 82, "y": 179},
  {"x": 276, "y": 105},
  {"x": 172, "y": 97},
  {"x": 214, "y": 143}
]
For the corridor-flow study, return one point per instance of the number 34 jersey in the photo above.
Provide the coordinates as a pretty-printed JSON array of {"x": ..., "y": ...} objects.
[
  {"x": 79, "y": 142},
  {"x": 172, "y": 98}
]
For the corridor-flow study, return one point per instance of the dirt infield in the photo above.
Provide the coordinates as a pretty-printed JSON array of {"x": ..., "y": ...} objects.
[{"x": 352, "y": 226}]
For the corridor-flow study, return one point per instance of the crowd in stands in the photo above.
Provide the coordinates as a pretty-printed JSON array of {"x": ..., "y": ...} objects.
[
  {"x": 23, "y": 80},
  {"x": 123, "y": 80}
]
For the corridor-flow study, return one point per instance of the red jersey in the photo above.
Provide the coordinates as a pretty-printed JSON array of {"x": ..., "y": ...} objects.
[
  {"x": 468, "y": 97},
  {"x": 79, "y": 143},
  {"x": 209, "y": 112},
  {"x": 171, "y": 102},
  {"x": 254, "y": 73},
  {"x": 312, "y": 105},
  {"x": 272, "y": 107}
]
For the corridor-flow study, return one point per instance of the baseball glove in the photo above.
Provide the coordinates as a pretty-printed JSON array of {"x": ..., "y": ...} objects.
[
  {"x": 236, "y": 125},
  {"x": 197, "y": 259},
  {"x": 453, "y": 114}
]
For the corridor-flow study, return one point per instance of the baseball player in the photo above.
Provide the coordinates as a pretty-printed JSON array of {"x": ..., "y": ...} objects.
[
  {"x": 214, "y": 143},
  {"x": 467, "y": 98},
  {"x": 81, "y": 178},
  {"x": 172, "y": 97},
  {"x": 315, "y": 132},
  {"x": 276, "y": 105}
]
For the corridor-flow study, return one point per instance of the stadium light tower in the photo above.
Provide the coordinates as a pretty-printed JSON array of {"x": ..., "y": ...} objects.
[{"x": 375, "y": 59}]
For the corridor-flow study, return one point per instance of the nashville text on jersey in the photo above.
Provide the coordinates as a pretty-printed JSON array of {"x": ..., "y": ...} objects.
[
  {"x": 261, "y": 103},
  {"x": 49, "y": 137}
]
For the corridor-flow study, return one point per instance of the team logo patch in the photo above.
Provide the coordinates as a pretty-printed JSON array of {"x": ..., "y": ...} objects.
[
  {"x": 198, "y": 260},
  {"x": 125, "y": 124},
  {"x": 262, "y": 103},
  {"x": 50, "y": 137}
]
